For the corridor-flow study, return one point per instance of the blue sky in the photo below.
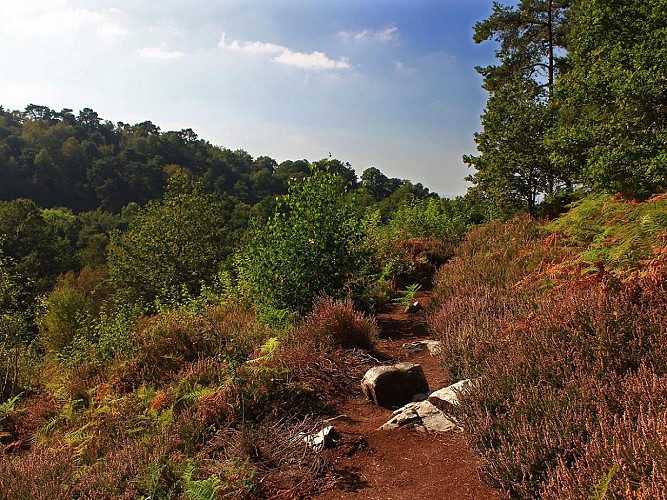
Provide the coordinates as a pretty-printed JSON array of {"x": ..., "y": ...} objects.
[{"x": 385, "y": 83}]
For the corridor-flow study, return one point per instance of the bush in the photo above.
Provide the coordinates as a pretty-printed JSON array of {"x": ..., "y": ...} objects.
[
  {"x": 336, "y": 324},
  {"x": 312, "y": 245},
  {"x": 570, "y": 402}
]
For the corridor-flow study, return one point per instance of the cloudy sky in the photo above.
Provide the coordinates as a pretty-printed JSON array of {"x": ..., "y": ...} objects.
[{"x": 385, "y": 83}]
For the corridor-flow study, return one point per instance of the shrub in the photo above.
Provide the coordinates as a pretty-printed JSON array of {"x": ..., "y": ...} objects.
[
  {"x": 173, "y": 247},
  {"x": 312, "y": 245},
  {"x": 336, "y": 324},
  {"x": 570, "y": 402}
]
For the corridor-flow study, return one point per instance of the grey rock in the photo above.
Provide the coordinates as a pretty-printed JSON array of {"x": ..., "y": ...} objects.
[
  {"x": 444, "y": 399},
  {"x": 418, "y": 346},
  {"x": 422, "y": 416},
  {"x": 394, "y": 385}
]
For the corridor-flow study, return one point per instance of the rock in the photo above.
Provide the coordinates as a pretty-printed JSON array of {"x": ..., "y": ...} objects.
[
  {"x": 444, "y": 399},
  {"x": 393, "y": 386},
  {"x": 422, "y": 416},
  {"x": 434, "y": 347},
  {"x": 419, "y": 397},
  {"x": 418, "y": 346},
  {"x": 326, "y": 438},
  {"x": 414, "y": 307}
]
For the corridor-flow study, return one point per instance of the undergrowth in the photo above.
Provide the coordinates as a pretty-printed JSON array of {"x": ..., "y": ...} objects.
[
  {"x": 564, "y": 328},
  {"x": 207, "y": 404}
]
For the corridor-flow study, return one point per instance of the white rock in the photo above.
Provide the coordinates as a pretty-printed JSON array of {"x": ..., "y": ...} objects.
[{"x": 326, "y": 438}]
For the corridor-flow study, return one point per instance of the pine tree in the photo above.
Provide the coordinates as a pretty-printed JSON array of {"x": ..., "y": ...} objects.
[{"x": 513, "y": 166}]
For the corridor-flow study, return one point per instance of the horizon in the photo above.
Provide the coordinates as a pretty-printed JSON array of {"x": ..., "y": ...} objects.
[{"x": 387, "y": 85}]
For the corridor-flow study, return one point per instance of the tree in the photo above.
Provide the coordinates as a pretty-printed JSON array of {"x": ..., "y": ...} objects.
[
  {"x": 378, "y": 184},
  {"x": 173, "y": 247},
  {"x": 513, "y": 168},
  {"x": 310, "y": 246},
  {"x": 613, "y": 101}
]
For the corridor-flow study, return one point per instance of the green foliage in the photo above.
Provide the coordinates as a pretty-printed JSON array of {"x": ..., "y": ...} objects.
[
  {"x": 312, "y": 245},
  {"x": 613, "y": 233},
  {"x": 62, "y": 318},
  {"x": 173, "y": 248},
  {"x": 408, "y": 295},
  {"x": 513, "y": 168},
  {"x": 612, "y": 122},
  {"x": 201, "y": 489},
  {"x": 601, "y": 489},
  {"x": 443, "y": 219}
]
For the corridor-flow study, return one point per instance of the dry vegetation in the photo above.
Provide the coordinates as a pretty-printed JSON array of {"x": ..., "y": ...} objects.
[
  {"x": 565, "y": 328},
  {"x": 208, "y": 404}
]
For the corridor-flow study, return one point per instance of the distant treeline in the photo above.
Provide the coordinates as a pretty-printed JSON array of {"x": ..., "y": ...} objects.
[{"x": 85, "y": 163}]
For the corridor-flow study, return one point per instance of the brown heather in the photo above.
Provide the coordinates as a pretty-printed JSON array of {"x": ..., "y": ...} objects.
[{"x": 572, "y": 368}]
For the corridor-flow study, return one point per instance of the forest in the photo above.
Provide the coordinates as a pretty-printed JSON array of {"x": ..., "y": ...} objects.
[{"x": 168, "y": 305}]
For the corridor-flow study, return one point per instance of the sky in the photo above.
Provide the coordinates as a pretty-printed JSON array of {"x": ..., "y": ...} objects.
[{"x": 383, "y": 83}]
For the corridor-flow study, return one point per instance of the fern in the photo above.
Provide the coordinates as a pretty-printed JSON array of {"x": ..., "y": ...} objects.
[
  {"x": 200, "y": 489},
  {"x": 602, "y": 487},
  {"x": 408, "y": 295}
]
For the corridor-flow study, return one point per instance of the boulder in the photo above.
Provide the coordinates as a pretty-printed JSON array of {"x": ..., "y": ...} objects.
[
  {"x": 393, "y": 386},
  {"x": 444, "y": 399},
  {"x": 422, "y": 416}
]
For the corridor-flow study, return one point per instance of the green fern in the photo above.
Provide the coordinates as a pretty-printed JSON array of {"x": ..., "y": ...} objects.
[
  {"x": 200, "y": 489},
  {"x": 602, "y": 487},
  {"x": 408, "y": 295}
]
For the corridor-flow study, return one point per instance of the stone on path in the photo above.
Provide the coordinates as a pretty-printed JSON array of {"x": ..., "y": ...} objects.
[
  {"x": 394, "y": 385},
  {"x": 418, "y": 346},
  {"x": 422, "y": 416},
  {"x": 446, "y": 398},
  {"x": 431, "y": 414}
]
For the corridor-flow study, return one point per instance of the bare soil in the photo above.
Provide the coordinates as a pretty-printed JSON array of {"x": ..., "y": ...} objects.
[{"x": 401, "y": 464}]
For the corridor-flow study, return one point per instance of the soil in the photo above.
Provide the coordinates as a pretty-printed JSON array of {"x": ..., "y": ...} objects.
[{"x": 401, "y": 464}]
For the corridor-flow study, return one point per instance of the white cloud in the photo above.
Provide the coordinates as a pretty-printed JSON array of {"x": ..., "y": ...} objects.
[
  {"x": 37, "y": 19},
  {"x": 169, "y": 31},
  {"x": 387, "y": 34},
  {"x": 160, "y": 54},
  {"x": 315, "y": 60},
  {"x": 400, "y": 66}
]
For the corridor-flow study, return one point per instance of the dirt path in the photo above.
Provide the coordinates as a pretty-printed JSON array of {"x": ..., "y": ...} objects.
[{"x": 401, "y": 464}]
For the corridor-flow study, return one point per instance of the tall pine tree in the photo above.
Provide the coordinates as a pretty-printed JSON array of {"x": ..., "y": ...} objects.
[{"x": 513, "y": 168}]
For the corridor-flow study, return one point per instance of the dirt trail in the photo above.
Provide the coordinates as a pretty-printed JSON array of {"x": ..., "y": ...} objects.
[{"x": 401, "y": 464}]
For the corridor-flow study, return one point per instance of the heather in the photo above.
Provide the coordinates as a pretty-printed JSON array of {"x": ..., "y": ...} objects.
[
  {"x": 204, "y": 401},
  {"x": 563, "y": 328}
]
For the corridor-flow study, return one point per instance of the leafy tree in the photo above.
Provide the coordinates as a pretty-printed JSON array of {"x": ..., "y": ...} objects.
[
  {"x": 513, "y": 167},
  {"x": 14, "y": 330},
  {"x": 378, "y": 184},
  {"x": 173, "y": 247},
  {"x": 310, "y": 246},
  {"x": 613, "y": 119},
  {"x": 32, "y": 246}
]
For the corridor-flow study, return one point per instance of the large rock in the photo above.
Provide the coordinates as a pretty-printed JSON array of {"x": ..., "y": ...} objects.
[
  {"x": 422, "y": 416},
  {"x": 434, "y": 414},
  {"x": 444, "y": 399},
  {"x": 393, "y": 386}
]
